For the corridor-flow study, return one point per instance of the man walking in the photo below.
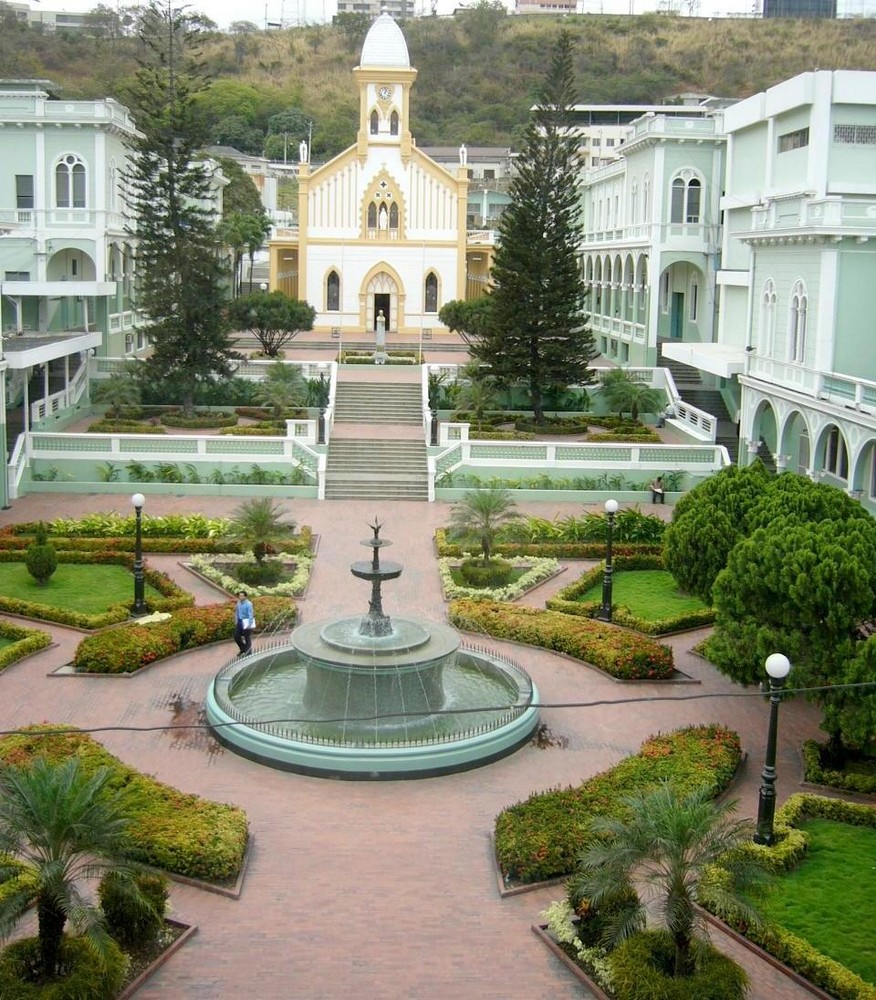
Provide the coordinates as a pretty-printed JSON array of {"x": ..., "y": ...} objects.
[{"x": 244, "y": 623}]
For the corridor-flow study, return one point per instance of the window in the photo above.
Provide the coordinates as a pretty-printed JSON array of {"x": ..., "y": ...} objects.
[
  {"x": 685, "y": 204},
  {"x": 836, "y": 456},
  {"x": 393, "y": 216},
  {"x": 855, "y": 135},
  {"x": 797, "y": 324},
  {"x": 694, "y": 301},
  {"x": 129, "y": 343},
  {"x": 372, "y": 216},
  {"x": 431, "y": 292},
  {"x": 16, "y": 276},
  {"x": 70, "y": 183},
  {"x": 664, "y": 292},
  {"x": 646, "y": 198},
  {"x": 603, "y": 345},
  {"x": 625, "y": 353},
  {"x": 393, "y": 123},
  {"x": 24, "y": 190},
  {"x": 794, "y": 140},
  {"x": 374, "y": 121},
  {"x": 768, "y": 317},
  {"x": 333, "y": 292},
  {"x": 489, "y": 174},
  {"x": 609, "y": 142},
  {"x": 596, "y": 142}
]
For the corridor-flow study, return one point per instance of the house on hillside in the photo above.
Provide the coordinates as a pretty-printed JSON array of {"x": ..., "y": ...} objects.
[{"x": 382, "y": 226}]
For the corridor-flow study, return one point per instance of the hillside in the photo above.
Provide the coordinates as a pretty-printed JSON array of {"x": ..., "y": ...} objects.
[{"x": 477, "y": 72}]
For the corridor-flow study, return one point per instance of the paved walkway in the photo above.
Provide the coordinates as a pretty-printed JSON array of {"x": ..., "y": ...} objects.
[{"x": 384, "y": 890}]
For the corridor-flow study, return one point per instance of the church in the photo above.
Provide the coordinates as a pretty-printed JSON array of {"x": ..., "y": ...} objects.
[{"x": 381, "y": 227}]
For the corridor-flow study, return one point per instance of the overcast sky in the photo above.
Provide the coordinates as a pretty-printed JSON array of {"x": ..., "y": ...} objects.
[{"x": 292, "y": 12}]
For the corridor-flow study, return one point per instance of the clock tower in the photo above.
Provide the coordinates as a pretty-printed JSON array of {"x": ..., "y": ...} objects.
[{"x": 385, "y": 78}]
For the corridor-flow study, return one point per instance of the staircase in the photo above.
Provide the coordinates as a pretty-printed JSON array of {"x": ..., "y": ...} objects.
[{"x": 377, "y": 467}]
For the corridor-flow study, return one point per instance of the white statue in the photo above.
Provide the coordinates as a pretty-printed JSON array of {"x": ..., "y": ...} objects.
[
  {"x": 380, "y": 352},
  {"x": 463, "y": 155},
  {"x": 302, "y": 151}
]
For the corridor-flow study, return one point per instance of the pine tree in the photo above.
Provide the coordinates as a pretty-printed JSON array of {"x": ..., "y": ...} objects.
[
  {"x": 537, "y": 328},
  {"x": 180, "y": 271}
]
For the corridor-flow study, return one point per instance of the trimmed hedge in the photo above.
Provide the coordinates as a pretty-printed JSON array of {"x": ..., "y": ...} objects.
[
  {"x": 791, "y": 846},
  {"x": 177, "y": 832},
  {"x": 205, "y": 420},
  {"x": 815, "y": 772},
  {"x": 127, "y": 648},
  {"x": 173, "y": 597},
  {"x": 89, "y": 978},
  {"x": 619, "y": 653},
  {"x": 556, "y": 550},
  {"x": 567, "y": 601},
  {"x": 542, "y": 837},
  {"x": 123, "y": 427},
  {"x": 24, "y": 642}
]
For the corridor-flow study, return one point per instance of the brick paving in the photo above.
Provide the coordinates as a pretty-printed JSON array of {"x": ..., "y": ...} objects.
[{"x": 381, "y": 890}]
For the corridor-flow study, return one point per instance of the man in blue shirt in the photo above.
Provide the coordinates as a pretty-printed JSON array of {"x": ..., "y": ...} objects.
[{"x": 244, "y": 623}]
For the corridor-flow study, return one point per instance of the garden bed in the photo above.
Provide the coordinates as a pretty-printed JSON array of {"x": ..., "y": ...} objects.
[
  {"x": 533, "y": 571},
  {"x": 859, "y": 777},
  {"x": 20, "y": 642},
  {"x": 145, "y": 963},
  {"x": 218, "y": 569}
]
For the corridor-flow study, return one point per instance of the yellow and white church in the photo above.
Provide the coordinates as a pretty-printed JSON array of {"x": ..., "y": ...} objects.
[{"x": 382, "y": 226}]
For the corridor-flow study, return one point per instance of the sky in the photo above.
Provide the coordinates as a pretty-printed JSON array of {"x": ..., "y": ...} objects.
[{"x": 293, "y": 12}]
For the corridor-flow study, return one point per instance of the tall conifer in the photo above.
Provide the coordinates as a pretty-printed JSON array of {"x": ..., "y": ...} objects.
[
  {"x": 538, "y": 330},
  {"x": 180, "y": 272}
]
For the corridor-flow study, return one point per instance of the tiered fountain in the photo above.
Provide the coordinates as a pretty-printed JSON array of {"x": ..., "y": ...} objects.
[{"x": 372, "y": 697}]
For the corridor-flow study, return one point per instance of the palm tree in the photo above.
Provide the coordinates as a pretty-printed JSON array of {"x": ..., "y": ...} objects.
[
  {"x": 282, "y": 387},
  {"x": 480, "y": 515},
  {"x": 118, "y": 391},
  {"x": 58, "y": 827},
  {"x": 664, "y": 849},
  {"x": 258, "y": 525},
  {"x": 623, "y": 392}
]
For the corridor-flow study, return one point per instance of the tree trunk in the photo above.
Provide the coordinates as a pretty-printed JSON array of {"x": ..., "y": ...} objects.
[
  {"x": 51, "y": 928},
  {"x": 683, "y": 957},
  {"x": 537, "y": 404}
]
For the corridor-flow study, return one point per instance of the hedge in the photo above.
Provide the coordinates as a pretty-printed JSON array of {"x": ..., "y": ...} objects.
[
  {"x": 795, "y": 952},
  {"x": 178, "y": 832},
  {"x": 568, "y": 601},
  {"x": 206, "y": 420},
  {"x": 85, "y": 976},
  {"x": 123, "y": 427},
  {"x": 815, "y": 772},
  {"x": 619, "y": 653},
  {"x": 24, "y": 642},
  {"x": 126, "y": 648},
  {"x": 173, "y": 597},
  {"x": 542, "y": 837},
  {"x": 557, "y": 550}
]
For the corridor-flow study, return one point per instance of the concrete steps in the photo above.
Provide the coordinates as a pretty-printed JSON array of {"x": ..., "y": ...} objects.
[
  {"x": 376, "y": 469},
  {"x": 378, "y": 403}
]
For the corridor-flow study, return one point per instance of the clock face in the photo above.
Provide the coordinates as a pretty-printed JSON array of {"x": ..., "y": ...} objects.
[{"x": 384, "y": 93}]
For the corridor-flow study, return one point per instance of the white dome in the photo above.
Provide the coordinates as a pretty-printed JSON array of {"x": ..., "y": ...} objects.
[{"x": 385, "y": 45}]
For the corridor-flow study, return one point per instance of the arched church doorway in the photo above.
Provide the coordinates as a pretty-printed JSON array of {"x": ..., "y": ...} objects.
[
  {"x": 381, "y": 305},
  {"x": 382, "y": 294}
]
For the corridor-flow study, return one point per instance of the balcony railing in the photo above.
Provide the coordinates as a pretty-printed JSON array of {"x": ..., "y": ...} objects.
[{"x": 844, "y": 390}]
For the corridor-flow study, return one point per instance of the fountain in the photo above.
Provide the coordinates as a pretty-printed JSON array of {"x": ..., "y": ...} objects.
[{"x": 371, "y": 696}]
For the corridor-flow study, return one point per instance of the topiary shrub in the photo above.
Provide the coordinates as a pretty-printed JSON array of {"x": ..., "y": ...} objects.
[
  {"x": 260, "y": 574},
  {"x": 86, "y": 977},
  {"x": 495, "y": 573},
  {"x": 40, "y": 557},
  {"x": 134, "y": 921},
  {"x": 642, "y": 970}
]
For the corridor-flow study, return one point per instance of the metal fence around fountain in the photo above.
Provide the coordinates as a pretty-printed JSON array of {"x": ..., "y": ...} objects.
[{"x": 226, "y": 675}]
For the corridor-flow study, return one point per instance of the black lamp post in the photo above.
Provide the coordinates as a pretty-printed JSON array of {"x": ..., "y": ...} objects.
[
  {"x": 605, "y": 611},
  {"x": 139, "y": 609},
  {"x": 777, "y": 667}
]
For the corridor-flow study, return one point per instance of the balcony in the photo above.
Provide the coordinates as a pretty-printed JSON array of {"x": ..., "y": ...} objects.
[
  {"x": 833, "y": 215},
  {"x": 841, "y": 390}
]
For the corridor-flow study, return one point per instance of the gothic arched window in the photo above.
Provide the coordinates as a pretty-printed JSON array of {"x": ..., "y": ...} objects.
[
  {"x": 333, "y": 292},
  {"x": 393, "y": 216},
  {"x": 372, "y": 216},
  {"x": 70, "y": 182},
  {"x": 393, "y": 123},
  {"x": 797, "y": 325},
  {"x": 374, "y": 121},
  {"x": 431, "y": 292}
]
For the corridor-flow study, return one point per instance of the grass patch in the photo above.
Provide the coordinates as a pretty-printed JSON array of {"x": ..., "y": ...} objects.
[
  {"x": 460, "y": 581},
  {"x": 652, "y": 594},
  {"x": 89, "y": 589},
  {"x": 827, "y": 898},
  {"x": 17, "y": 642}
]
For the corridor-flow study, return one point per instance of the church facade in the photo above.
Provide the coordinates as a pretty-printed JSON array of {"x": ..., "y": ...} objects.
[{"x": 381, "y": 227}]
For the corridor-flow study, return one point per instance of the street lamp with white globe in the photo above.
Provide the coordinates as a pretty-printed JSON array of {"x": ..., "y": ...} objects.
[
  {"x": 139, "y": 609},
  {"x": 778, "y": 666},
  {"x": 611, "y": 507}
]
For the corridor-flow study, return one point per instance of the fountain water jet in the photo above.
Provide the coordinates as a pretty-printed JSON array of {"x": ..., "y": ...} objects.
[{"x": 372, "y": 697}]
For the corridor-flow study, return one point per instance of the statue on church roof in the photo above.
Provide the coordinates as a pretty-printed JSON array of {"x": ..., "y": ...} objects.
[
  {"x": 302, "y": 151},
  {"x": 463, "y": 155}
]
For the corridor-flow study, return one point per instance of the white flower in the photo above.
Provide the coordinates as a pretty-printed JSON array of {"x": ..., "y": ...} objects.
[
  {"x": 205, "y": 565},
  {"x": 538, "y": 569}
]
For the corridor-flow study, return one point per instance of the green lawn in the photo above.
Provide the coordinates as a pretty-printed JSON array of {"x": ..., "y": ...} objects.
[
  {"x": 6, "y": 642},
  {"x": 86, "y": 588},
  {"x": 828, "y": 898},
  {"x": 651, "y": 594}
]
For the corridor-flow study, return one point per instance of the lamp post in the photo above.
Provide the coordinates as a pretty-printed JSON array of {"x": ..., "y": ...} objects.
[
  {"x": 605, "y": 611},
  {"x": 139, "y": 609},
  {"x": 777, "y": 667},
  {"x": 263, "y": 287}
]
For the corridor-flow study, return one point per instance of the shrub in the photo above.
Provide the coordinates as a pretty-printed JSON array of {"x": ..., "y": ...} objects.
[
  {"x": 557, "y": 549},
  {"x": 123, "y": 427},
  {"x": 131, "y": 923},
  {"x": 816, "y": 772},
  {"x": 619, "y": 653},
  {"x": 206, "y": 419},
  {"x": 87, "y": 977},
  {"x": 127, "y": 648},
  {"x": 259, "y": 574},
  {"x": 642, "y": 970},
  {"x": 24, "y": 642},
  {"x": 169, "y": 829},
  {"x": 40, "y": 557},
  {"x": 541, "y": 838},
  {"x": 495, "y": 574}
]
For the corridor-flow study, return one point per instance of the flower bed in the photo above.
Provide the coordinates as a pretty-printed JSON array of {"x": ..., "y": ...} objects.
[
  {"x": 791, "y": 846},
  {"x": 567, "y": 601},
  {"x": 555, "y": 550},
  {"x": 537, "y": 569},
  {"x": 24, "y": 642},
  {"x": 127, "y": 648},
  {"x": 619, "y": 653},
  {"x": 208, "y": 420},
  {"x": 818, "y": 774},
  {"x": 180, "y": 833},
  {"x": 541, "y": 838},
  {"x": 208, "y": 568},
  {"x": 173, "y": 597}
]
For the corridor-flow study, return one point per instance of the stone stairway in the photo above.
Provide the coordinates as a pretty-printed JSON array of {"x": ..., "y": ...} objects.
[{"x": 377, "y": 465}]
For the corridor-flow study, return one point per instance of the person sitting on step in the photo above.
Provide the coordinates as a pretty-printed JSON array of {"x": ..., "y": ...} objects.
[{"x": 657, "y": 492}]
